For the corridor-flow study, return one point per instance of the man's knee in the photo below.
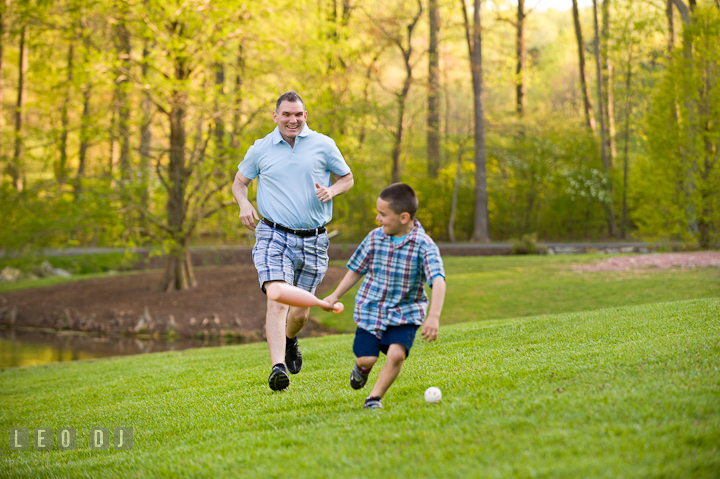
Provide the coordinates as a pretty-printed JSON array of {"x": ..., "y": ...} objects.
[
  {"x": 299, "y": 315},
  {"x": 275, "y": 309}
]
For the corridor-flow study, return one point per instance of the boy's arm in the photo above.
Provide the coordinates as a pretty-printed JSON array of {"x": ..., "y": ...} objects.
[
  {"x": 351, "y": 277},
  {"x": 432, "y": 322}
]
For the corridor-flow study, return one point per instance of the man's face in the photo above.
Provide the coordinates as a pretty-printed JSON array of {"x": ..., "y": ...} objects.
[
  {"x": 290, "y": 118},
  {"x": 393, "y": 224}
]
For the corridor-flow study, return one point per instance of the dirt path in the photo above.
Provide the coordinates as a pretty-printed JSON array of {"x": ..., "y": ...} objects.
[
  {"x": 227, "y": 301},
  {"x": 659, "y": 261}
]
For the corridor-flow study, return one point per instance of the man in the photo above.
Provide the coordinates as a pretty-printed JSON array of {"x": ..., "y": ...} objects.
[{"x": 293, "y": 165}]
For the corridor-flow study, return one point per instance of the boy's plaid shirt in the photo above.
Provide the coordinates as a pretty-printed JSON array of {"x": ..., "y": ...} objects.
[{"x": 392, "y": 292}]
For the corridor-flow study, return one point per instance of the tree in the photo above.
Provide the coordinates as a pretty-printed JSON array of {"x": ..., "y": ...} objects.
[
  {"x": 400, "y": 34},
  {"x": 17, "y": 170},
  {"x": 190, "y": 40},
  {"x": 607, "y": 69},
  {"x": 584, "y": 86},
  {"x": 603, "y": 147},
  {"x": 481, "y": 228},
  {"x": 433, "y": 116},
  {"x": 3, "y": 46},
  {"x": 679, "y": 181}
]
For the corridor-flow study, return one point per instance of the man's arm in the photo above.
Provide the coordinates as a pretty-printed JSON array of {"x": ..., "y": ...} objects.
[
  {"x": 342, "y": 185},
  {"x": 248, "y": 215},
  {"x": 351, "y": 277},
  {"x": 432, "y": 322}
]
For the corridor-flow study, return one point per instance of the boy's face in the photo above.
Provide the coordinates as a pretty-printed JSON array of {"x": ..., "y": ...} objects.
[{"x": 393, "y": 224}]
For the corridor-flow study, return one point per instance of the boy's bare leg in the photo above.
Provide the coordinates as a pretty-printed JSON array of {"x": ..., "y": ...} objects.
[
  {"x": 395, "y": 358},
  {"x": 366, "y": 362},
  {"x": 296, "y": 319},
  {"x": 275, "y": 330}
]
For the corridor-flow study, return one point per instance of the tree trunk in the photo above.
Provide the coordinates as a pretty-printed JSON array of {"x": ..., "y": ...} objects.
[
  {"x": 219, "y": 122},
  {"x": 61, "y": 168},
  {"x": 123, "y": 104},
  {"x": 17, "y": 169},
  {"x": 671, "y": 26},
  {"x": 481, "y": 227},
  {"x": 239, "y": 72},
  {"x": 603, "y": 150},
  {"x": 145, "y": 133},
  {"x": 85, "y": 118},
  {"x": 401, "y": 96},
  {"x": 84, "y": 141},
  {"x": 433, "y": 118},
  {"x": 589, "y": 118},
  {"x": 178, "y": 274},
  {"x": 399, "y": 133},
  {"x": 456, "y": 193},
  {"x": 521, "y": 57},
  {"x": 627, "y": 140},
  {"x": 608, "y": 79},
  {"x": 3, "y": 45}
]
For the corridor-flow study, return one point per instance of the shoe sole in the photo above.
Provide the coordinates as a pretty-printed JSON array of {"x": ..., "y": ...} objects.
[
  {"x": 279, "y": 382},
  {"x": 290, "y": 363},
  {"x": 291, "y": 367}
]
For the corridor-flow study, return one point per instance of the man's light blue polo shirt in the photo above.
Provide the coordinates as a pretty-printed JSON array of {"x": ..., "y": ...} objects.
[{"x": 287, "y": 177}]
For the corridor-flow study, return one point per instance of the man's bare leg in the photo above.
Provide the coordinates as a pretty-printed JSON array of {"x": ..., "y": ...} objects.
[
  {"x": 390, "y": 371},
  {"x": 296, "y": 319},
  {"x": 275, "y": 329}
]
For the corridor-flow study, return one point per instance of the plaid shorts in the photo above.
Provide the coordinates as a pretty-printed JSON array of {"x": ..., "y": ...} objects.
[{"x": 282, "y": 256}]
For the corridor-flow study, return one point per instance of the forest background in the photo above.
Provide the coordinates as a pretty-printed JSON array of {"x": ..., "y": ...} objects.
[{"x": 122, "y": 121}]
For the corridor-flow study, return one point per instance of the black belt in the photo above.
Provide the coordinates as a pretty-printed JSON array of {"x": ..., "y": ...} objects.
[{"x": 301, "y": 233}]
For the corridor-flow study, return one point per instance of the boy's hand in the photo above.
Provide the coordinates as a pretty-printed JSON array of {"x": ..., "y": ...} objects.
[
  {"x": 430, "y": 328},
  {"x": 332, "y": 299}
]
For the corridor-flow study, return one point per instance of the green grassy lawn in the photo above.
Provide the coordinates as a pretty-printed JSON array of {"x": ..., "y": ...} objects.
[
  {"x": 621, "y": 392},
  {"x": 480, "y": 288}
]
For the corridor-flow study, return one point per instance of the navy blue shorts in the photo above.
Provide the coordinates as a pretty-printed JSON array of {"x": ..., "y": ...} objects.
[{"x": 367, "y": 344}]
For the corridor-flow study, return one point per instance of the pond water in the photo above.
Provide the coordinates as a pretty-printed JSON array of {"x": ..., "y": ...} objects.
[{"x": 26, "y": 348}]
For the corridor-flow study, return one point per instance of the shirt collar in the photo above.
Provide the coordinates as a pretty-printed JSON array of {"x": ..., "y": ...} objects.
[
  {"x": 277, "y": 136},
  {"x": 411, "y": 236}
]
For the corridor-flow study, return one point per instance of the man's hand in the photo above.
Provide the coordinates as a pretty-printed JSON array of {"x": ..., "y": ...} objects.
[
  {"x": 323, "y": 193},
  {"x": 248, "y": 215},
  {"x": 430, "y": 328},
  {"x": 332, "y": 299}
]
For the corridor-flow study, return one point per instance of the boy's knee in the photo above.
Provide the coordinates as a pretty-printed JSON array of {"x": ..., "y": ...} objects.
[
  {"x": 396, "y": 354},
  {"x": 366, "y": 362}
]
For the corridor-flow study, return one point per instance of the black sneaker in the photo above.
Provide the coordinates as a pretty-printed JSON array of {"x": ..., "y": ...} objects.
[
  {"x": 358, "y": 378},
  {"x": 373, "y": 402},
  {"x": 293, "y": 356},
  {"x": 279, "y": 378}
]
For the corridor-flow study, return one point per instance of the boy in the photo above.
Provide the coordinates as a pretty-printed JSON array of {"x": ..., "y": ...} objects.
[{"x": 396, "y": 260}]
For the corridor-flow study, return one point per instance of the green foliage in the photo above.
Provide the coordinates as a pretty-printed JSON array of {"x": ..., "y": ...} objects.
[
  {"x": 49, "y": 217},
  {"x": 527, "y": 245},
  {"x": 76, "y": 264},
  {"x": 677, "y": 194},
  {"x": 620, "y": 392},
  {"x": 223, "y": 63}
]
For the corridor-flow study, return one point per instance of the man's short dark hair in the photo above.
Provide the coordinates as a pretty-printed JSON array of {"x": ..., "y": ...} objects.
[
  {"x": 290, "y": 96},
  {"x": 402, "y": 199}
]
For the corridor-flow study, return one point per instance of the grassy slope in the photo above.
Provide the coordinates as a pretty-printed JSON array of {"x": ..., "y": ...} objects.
[
  {"x": 625, "y": 392},
  {"x": 497, "y": 287}
]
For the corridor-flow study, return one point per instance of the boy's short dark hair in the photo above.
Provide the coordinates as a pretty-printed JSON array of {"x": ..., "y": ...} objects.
[
  {"x": 401, "y": 197},
  {"x": 290, "y": 96}
]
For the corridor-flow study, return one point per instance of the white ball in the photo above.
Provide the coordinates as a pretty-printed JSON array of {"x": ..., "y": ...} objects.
[{"x": 433, "y": 395}]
